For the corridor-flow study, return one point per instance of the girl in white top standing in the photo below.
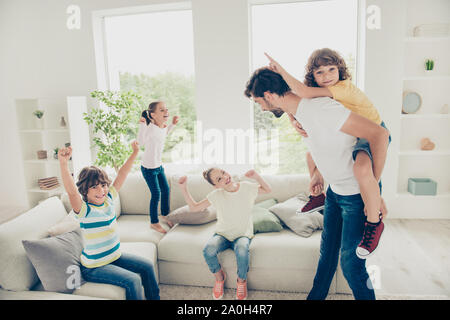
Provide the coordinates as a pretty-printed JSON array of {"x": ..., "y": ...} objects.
[
  {"x": 234, "y": 229},
  {"x": 152, "y": 134}
]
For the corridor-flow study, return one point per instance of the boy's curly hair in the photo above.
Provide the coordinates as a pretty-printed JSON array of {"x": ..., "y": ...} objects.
[
  {"x": 325, "y": 57},
  {"x": 89, "y": 177}
]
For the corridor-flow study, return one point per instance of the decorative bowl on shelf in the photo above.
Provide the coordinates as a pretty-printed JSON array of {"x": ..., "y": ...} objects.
[
  {"x": 426, "y": 144},
  {"x": 411, "y": 102}
]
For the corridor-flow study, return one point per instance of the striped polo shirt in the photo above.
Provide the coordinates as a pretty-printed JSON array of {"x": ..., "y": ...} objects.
[{"x": 100, "y": 235}]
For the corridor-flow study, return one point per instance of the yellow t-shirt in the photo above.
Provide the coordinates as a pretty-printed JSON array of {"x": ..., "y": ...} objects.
[{"x": 354, "y": 99}]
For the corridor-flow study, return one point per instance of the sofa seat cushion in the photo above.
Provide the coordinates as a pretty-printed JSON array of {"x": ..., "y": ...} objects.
[
  {"x": 107, "y": 291},
  {"x": 281, "y": 250},
  {"x": 136, "y": 228},
  {"x": 41, "y": 295}
]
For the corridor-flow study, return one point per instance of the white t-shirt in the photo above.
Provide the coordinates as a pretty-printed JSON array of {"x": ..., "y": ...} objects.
[
  {"x": 330, "y": 148},
  {"x": 152, "y": 138},
  {"x": 234, "y": 210}
]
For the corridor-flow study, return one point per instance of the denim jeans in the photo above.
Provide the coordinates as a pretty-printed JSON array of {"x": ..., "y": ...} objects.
[
  {"x": 159, "y": 188},
  {"x": 343, "y": 228},
  {"x": 218, "y": 243},
  {"x": 130, "y": 272}
]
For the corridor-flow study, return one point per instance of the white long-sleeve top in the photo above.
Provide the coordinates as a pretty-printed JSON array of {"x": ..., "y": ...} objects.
[{"x": 152, "y": 138}]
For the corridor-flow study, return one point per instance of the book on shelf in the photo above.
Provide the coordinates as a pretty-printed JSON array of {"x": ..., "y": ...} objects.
[{"x": 48, "y": 183}]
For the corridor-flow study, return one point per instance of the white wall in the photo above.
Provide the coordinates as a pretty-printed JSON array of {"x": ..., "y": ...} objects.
[
  {"x": 383, "y": 82},
  {"x": 384, "y": 69},
  {"x": 40, "y": 57},
  {"x": 222, "y": 67}
]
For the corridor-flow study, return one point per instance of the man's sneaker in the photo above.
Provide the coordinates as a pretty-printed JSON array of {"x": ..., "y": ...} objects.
[
  {"x": 371, "y": 239},
  {"x": 241, "y": 290},
  {"x": 219, "y": 288},
  {"x": 313, "y": 204}
]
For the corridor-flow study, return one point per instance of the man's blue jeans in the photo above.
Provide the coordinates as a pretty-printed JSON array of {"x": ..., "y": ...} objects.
[
  {"x": 130, "y": 272},
  {"x": 343, "y": 228},
  {"x": 159, "y": 188},
  {"x": 218, "y": 243}
]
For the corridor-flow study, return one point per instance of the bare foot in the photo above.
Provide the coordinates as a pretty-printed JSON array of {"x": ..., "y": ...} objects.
[
  {"x": 158, "y": 227},
  {"x": 169, "y": 223}
]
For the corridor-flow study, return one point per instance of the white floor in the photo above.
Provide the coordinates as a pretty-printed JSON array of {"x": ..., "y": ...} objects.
[
  {"x": 414, "y": 258},
  {"x": 413, "y": 262}
]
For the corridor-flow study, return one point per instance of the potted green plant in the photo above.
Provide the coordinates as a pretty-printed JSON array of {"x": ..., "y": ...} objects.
[
  {"x": 429, "y": 65},
  {"x": 115, "y": 119},
  {"x": 55, "y": 153},
  {"x": 39, "y": 118}
]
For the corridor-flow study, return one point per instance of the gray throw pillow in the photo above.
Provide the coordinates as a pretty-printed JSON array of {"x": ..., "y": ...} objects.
[
  {"x": 303, "y": 224},
  {"x": 185, "y": 216},
  {"x": 57, "y": 260}
]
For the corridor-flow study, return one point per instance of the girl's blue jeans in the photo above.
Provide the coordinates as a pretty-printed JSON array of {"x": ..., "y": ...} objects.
[
  {"x": 343, "y": 228},
  {"x": 130, "y": 272},
  {"x": 218, "y": 243},
  {"x": 159, "y": 188}
]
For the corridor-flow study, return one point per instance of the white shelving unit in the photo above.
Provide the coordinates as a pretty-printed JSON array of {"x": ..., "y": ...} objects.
[
  {"x": 49, "y": 135},
  {"x": 428, "y": 121},
  {"x": 45, "y": 136}
]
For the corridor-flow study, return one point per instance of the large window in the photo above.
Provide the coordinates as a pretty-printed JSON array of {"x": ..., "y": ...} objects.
[
  {"x": 290, "y": 32},
  {"x": 153, "y": 55}
]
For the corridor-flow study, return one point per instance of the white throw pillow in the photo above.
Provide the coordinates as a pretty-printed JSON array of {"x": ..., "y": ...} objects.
[
  {"x": 303, "y": 224},
  {"x": 68, "y": 224}
]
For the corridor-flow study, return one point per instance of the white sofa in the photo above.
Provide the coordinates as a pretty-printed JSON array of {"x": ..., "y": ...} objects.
[{"x": 281, "y": 261}]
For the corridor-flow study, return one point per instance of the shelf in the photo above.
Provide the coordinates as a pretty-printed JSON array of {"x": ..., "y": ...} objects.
[
  {"x": 409, "y": 195},
  {"x": 44, "y": 130},
  {"x": 424, "y": 153},
  {"x": 426, "y": 39},
  {"x": 425, "y": 116},
  {"x": 427, "y": 77},
  {"x": 43, "y": 161},
  {"x": 58, "y": 190}
]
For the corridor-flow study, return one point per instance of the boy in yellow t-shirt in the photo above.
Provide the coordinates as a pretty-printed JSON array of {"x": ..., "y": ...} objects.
[{"x": 327, "y": 76}]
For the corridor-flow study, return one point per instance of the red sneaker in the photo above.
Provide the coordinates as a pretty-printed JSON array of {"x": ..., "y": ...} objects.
[
  {"x": 218, "y": 289},
  {"x": 241, "y": 290},
  {"x": 371, "y": 239},
  {"x": 314, "y": 204}
]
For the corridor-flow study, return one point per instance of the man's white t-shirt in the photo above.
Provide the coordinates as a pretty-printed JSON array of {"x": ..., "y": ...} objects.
[
  {"x": 234, "y": 210},
  {"x": 330, "y": 148}
]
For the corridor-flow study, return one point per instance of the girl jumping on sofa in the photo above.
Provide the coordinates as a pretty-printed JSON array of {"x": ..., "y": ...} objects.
[
  {"x": 152, "y": 134},
  {"x": 234, "y": 229},
  {"x": 328, "y": 76},
  {"x": 102, "y": 261}
]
